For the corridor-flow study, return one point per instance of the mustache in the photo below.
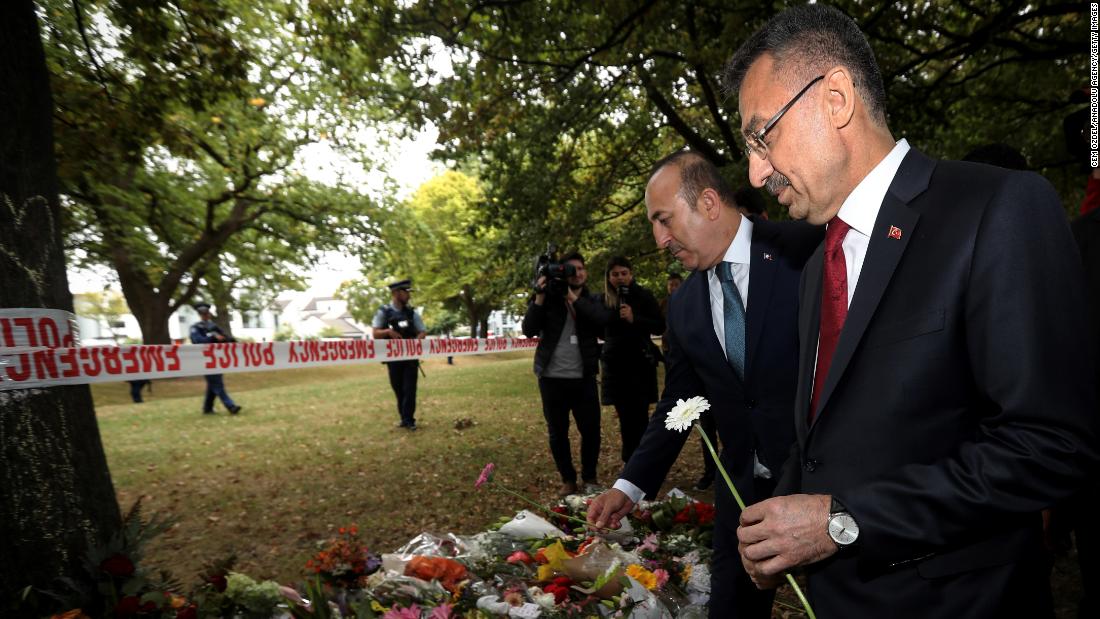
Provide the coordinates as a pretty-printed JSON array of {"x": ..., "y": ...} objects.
[
  {"x": 674, "y": 247},
  {"x": 776, "y": 182}
]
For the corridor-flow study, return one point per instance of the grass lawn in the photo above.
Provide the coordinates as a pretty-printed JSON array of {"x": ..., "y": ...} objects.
[{"x": 317, "y": 449}]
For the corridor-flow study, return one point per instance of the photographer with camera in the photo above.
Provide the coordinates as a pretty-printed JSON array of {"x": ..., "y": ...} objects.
[
  {"x": 567, "y": 320},
  {"x": 398, "y": 320},
  {"x": 629, "y": 359}
]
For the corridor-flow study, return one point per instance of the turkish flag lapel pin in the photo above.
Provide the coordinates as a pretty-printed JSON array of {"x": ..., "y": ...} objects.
[{"x": 895, "y": 232}]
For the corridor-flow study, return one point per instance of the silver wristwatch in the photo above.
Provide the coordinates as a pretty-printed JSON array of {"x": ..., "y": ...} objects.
[{"x": 843, "y": 529}]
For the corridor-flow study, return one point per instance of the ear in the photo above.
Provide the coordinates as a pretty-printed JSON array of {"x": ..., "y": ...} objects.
[
  {"x": 841, "y": 97},
  {"x": 711, "y": 205}
]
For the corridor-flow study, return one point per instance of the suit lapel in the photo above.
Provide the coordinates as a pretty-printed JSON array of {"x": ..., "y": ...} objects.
[
  {"x": 761, "y": 280},
  {"x": 883, "y": 254}
]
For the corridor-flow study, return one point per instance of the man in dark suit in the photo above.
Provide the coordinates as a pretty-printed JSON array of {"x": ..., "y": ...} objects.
[
  {"x": 744, "y": 361},
  {"x": 944, "y": 396}
]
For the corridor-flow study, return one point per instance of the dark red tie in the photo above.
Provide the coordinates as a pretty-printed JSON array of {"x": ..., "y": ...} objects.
[{"x": 834, "y": 305}]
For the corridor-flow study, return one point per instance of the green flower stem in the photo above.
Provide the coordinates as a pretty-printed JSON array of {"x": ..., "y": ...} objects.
[
  {"x": 741, "y": 504},
  {"x": 547, "y": 509}
]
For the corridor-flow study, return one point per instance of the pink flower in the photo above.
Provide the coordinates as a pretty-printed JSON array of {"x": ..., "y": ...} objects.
[
  {"x": 662, "y": 577},
  {"x": 443, "y": 611},
  {"x": 650, "y": 543},
  {"x": 412, "y": 612},
  {"x": 486, "y": 475},
  {"x": 519, "y": 556}
]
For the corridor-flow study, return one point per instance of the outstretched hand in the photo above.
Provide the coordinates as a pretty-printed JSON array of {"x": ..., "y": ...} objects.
[{"x": 608, "y": 510}]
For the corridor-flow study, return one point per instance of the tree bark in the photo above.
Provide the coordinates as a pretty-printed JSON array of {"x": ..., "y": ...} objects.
[{"x": 56, "y": 496}]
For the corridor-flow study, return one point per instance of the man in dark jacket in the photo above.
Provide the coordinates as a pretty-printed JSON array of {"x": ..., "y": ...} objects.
[{"x": 567, "y": 323}]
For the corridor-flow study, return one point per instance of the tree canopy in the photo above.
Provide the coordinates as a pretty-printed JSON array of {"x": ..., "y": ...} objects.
[
  {"x": 179, "y": 128},
  {"x": 564, "y": 105},
  {"x": 441, "y": 238}
]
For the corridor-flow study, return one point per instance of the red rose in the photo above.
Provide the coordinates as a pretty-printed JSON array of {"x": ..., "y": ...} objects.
[
  {"x": 704, "y": 512},
  {"x": 188, "y": 612},
  {"x": 683, "y": 516},
  {"x": 218, "y": 582},
  {"x": 118, "y": 565},
  {"x": 560, "y": 593}
]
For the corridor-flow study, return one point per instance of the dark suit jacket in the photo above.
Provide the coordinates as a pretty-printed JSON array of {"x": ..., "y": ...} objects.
[
  {"x": 958, "y": 404},
  {"x": 753, "y": 415},
  {"x": 547, "y": 320}
]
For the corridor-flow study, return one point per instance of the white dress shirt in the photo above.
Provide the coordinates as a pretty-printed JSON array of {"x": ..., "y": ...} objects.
[
  {"x": 739, "y": 253},
  {"x": 860, "y": 210}
]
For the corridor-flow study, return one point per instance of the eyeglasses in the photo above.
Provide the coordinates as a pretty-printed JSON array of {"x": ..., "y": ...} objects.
[{"x": 754, "y": 141}]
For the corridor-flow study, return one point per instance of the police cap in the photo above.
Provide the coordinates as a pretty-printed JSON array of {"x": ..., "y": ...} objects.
[
  {"x": 201, "y": 306},
  {"x": 404, "y": 284}
]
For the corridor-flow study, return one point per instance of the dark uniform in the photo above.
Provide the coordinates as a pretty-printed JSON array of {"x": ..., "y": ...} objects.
[
  {"x": 403, "y": 374},
  {"x": 135, "y": 388},
  {"x": 206, "y": 332}
]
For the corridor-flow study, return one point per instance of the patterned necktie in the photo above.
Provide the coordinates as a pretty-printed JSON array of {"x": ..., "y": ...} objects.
[
  {"x": 734, "y": 319},
  {"x": 834, "y": 305}
]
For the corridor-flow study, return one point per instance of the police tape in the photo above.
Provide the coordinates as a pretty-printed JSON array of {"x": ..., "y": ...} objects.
[
  {"x": 41, "y": 348},
  {"x": 26, "y": 368},
  {"x": 32, "y": 327}
]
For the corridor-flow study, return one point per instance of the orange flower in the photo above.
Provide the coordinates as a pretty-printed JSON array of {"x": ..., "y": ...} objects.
[{"x": 446, "y": 571}]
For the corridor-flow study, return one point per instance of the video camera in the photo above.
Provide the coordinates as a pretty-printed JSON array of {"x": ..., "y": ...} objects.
[{"x": 556, "y": 273}]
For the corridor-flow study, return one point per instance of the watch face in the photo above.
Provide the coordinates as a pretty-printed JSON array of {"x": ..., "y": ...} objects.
[{"x": 843, "y": 529}]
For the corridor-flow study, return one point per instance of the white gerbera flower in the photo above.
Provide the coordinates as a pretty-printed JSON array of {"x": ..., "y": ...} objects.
[
  {"x": 685, "y": 413},
  {"x": 544, "y": 600}
]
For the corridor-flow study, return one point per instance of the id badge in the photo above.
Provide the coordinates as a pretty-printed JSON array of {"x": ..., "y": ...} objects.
[{"x": 573, "y": 340}]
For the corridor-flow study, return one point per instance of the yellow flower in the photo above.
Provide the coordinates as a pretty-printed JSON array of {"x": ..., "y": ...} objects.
[
  {"x": 647, "y": 578},
  {"x": 555, "y": 561},
  {"x": 257, "y": 101},
  {"x": 687, "y": 572},
  {"x": 216, "y": 119}
]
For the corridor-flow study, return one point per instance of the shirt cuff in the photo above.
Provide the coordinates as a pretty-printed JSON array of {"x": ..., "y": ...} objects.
[{"x": 632, "y": 492}]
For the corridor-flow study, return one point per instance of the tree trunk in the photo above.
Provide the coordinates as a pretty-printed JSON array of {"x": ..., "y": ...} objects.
[
  {"x": 221, "y": 296},
  {"x": 56, "y": 496},
  {"x": 153, "y": 320}
]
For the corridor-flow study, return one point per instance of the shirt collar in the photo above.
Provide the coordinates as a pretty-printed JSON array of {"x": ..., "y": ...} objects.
[
  {"x": 740, "y": 250},
  {"x": 861, "y": 207}
]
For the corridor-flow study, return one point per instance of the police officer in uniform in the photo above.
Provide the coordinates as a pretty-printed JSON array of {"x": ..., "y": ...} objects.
[
  {"x": 398, "y": 320},
  {"x": 205, "y": 331}
]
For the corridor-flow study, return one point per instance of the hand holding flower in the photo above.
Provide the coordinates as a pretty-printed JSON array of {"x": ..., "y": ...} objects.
[
  {"x": 781, "y": 533},
  {"x": 766, "y": 569}
]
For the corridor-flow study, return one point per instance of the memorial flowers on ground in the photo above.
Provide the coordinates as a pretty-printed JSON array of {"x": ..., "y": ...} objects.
[{"x": 525, "y": 565}]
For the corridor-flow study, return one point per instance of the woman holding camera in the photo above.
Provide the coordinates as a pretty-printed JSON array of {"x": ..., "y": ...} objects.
[{"x": 629, "y": 359}]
